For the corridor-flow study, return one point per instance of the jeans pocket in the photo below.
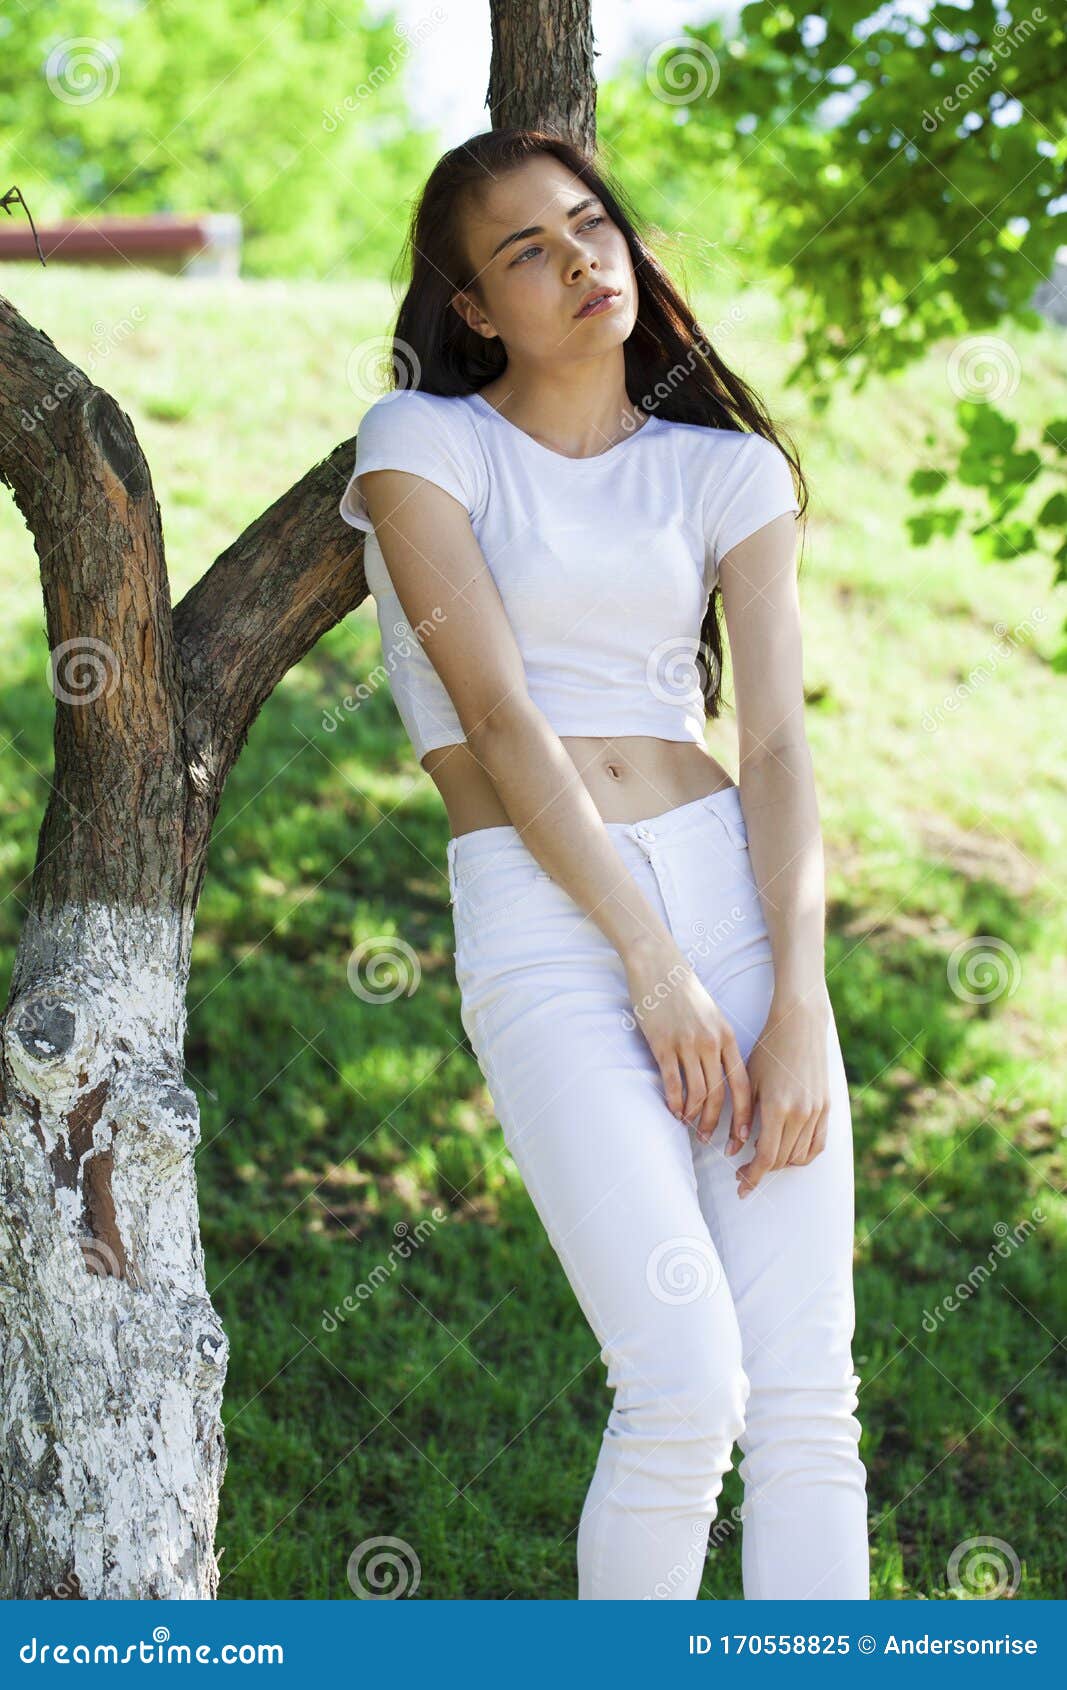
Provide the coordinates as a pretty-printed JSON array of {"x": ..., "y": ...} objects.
[
  {"x": 732, "y": 822},
  {"x": 493, "y": 892}
]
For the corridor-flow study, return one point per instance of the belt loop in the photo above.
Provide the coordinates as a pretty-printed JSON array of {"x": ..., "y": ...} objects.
[{"x": 453, "y": 875}]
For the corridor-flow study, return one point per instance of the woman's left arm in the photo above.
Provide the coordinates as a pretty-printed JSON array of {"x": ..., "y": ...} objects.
[{"x": 788, "y": 1066}]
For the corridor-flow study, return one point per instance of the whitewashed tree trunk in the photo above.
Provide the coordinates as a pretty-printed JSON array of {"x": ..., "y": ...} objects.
[{"x": 114, "y": 1360}]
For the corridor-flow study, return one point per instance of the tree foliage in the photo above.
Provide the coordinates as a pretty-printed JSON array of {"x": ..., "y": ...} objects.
[{"x": 909, "y": 168}]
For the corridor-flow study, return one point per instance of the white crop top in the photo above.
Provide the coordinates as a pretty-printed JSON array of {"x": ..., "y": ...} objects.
[{"x": 604, "y": 564}]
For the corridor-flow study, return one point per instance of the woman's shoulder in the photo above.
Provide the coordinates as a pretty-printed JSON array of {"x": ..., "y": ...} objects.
[
  {"x": 702, "y": 437},
  {"x": 409, "y": 422},
  {"x": 407, "y": 406},
  {"x": 720, "y": 449}
]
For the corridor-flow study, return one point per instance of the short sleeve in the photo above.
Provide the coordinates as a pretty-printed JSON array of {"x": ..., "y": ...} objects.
[
  {"x": 757, "y": 488},
  {"x": 413, "y": 431}
]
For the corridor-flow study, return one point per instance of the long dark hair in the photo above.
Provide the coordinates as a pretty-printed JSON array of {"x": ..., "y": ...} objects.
[{"x": 671, "y": 366}]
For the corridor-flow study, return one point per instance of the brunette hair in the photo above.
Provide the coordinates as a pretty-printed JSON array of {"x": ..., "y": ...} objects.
[{"x": 671, "y": 366}]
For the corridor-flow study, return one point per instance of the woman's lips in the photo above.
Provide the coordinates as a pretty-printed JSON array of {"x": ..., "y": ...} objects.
[{"x": 598, "y": 306}]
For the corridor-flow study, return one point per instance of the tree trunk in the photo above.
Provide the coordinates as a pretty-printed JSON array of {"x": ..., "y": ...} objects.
[
  {"x": 114, "y": 1360},
  {"x": 541, "y": 73}
]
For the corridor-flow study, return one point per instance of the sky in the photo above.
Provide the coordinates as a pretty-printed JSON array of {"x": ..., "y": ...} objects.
[{"x": 447, "y": 84}]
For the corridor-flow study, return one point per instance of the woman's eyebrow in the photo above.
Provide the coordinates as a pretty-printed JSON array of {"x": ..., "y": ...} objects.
[{"x": 537, "y": 228}]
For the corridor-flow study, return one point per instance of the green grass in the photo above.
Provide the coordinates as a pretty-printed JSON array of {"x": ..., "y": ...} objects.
[{"x": 458, "y": 1406}]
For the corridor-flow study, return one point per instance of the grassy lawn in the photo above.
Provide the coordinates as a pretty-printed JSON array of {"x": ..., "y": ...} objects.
[{"x": 349, "y": 1149}]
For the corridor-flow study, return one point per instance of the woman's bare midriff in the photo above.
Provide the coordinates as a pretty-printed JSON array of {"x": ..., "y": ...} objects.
[{"x": 630, "y": 779}]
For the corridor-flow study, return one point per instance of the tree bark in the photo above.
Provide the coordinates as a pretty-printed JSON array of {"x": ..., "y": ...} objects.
[
  {"x": 113, "y": 1367},
  {"x": 541, "y": 73}
]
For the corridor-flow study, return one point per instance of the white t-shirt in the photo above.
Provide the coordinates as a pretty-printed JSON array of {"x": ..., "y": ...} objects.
[{"x": 604, "y": 564}]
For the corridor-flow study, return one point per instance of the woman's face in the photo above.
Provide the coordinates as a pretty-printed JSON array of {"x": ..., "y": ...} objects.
[{"x": 538, "y": 241}]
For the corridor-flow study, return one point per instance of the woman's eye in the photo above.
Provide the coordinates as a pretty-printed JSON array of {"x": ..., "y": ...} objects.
[{"x": 590, "y": 223}]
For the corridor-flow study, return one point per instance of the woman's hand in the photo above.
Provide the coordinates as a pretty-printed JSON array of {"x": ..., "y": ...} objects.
[
  {"x": 790, "y": 1078},
  {"x": 691, "y": 1040}
]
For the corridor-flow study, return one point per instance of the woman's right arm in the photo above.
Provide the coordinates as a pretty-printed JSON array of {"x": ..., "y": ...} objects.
[{"x": 445, "y": 586}]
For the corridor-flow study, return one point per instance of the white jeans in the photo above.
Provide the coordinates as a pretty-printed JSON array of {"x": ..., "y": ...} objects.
[{"x": 719, "y": 1319}]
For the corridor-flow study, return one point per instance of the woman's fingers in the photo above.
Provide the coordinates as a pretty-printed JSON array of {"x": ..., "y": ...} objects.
[
  {"x": 740, "y": 1092},
  {"x": 794, "y": 1155},
  {"x": 767, "y": 1147},
  {"x": 672, "y": 1080},
  {"x": 811, "y": 1141},
  {"x": 698, "y": 1057},
  {"x": 714, "y": 1096},
  {"x": 696, "y": 1085},
  {"x": 787, "y": 1138},
  {"x": 695, "y": 1077},
  {"x": 822, "y": 1127}
]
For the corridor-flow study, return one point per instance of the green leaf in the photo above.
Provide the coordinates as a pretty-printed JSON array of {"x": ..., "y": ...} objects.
[
  {"x": 1053, "y": 513},
  {"x": 1006, "y": 542},
  {"x": 926, "y": 481}
]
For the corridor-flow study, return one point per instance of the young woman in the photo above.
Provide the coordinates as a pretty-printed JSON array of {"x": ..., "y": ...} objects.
[{"x": 555, "y": 503}]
